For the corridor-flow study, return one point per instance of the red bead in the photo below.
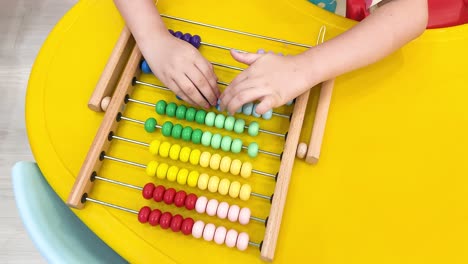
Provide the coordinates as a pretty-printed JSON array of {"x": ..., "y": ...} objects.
[
  {"x": 169, "y": 195},
  {"x": 176, "y": 222},
  {"x": 190, "y": 201},
  {"x": 154, "y": 217},
  {"x": 144, "y": 214},
  {"x": 147, "y": 191},
  {"x": 165, "y": 220},
  {"x": 158, "y": 193},
  {"x": 187, "y": 225},
  {"x": 179, "y": 199}
]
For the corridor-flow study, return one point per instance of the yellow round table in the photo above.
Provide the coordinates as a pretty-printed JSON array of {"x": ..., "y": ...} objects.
[{"x": 392, "y": 180}]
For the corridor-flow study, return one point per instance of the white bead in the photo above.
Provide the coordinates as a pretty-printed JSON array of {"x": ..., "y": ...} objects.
[
  {"x": 223, "y": 209},
  {"x": 244, "y": 216},
  {"x": 200, "y": 205},
  {"x": 212, "y": 207},
  {"x": 231, "y": 238},
  {"x": 208, "y": 232},
  {"x": 197, "y": 229},
  {"x": 220, "y": 235},
  {"x": 242, "y": 241},
  {"x": 233, "y": 213}
]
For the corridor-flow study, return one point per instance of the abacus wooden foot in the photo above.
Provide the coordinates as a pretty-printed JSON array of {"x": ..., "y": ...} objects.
[{"x": 115, "y": 106}]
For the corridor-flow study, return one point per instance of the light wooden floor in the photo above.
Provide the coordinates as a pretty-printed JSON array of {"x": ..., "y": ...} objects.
[{"x": 24, "y": 25}]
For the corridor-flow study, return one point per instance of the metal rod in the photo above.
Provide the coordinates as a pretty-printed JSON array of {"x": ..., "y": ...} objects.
[
  {"x": 227, "y": 66},
  {"x": 254, "y": 244},
  {"x": 220, "y": 47},
  {"x": 111, "y": 205},
  {"x": 265, "y": 152},
  {"x": 119, "y": 183},
  {"x": 137, "y": 121},
  {"x": 132, "y": 141},
  {"x": 281, "y": 115},
  {"x": 264, "y": 173},
  {"x": 260, "y": 196},
  {"x": 141, "y": 102},
  {"x": 236, "y": 31},
  {"x": 126, "y": 162},
  {"x": 268, "y": 132},
  {"x": 258, "y": 219},
  {"x": 152, "y": 85}
]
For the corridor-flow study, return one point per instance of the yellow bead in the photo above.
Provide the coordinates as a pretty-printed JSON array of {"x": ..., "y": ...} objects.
[
  {"x": 213, "y": 184},
  {"x": 235, "y": 167},
  {"x": 195, "y": 156},
  {"x": 225, "y": 164},
  {"x": 184, "y": 155},
  {"x": 234, "y": 189},
  {"x": 182, "y": 176},
  {"x": 215, "y": 161},
  {"x": 174, "y": 152},
  {"x": 246, "y": 170},
  {"x": 162, "y": 171},
  {"x": 151, "y": 168},
  {"x": 192, "y": 179},
  {"x": 172, "y": 173},
  {"x": 223, "y": 187},
  {"x": 203, "y": 181},
  {"x": 164, "y": 149},
  {"x": 245, "y": 192},
  {"x": 154, "y": 147},
  {"x": 205, "y": 159}
]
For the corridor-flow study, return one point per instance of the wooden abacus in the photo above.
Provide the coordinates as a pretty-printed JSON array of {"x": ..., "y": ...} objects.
[{"x": 121, "y": 71}]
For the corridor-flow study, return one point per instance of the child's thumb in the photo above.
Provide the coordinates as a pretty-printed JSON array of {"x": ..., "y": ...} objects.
[{"x": 246, "y": 58}]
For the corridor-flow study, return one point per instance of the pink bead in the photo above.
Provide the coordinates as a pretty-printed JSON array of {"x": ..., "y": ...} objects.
[
  {"x": 212, "y": 207},
  {"x": 200, "y": 206},
  {"x": 231, "y": 238},
  {"x": 223, "y": 209},
  {"x": 242, "y": 241},
  {"x": 197, "y": 229},
  {"x": 220, "y": 235},
  {"x": 244, "y": 216},
  {"x": 233, "y": 213},
  {"x": 208, "y": 232}
]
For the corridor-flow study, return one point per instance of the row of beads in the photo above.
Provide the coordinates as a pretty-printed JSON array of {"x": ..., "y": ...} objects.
[
  {"x": 194, "y": 40},
  {"x": 249, "y": 109},
  {"x": 201, "y": 204},
  {"x": 166, "y": 220},
  {"x": 210, "y": 119},
  {"x": 204, "y": 159},
  {"x": 207, "y": 139},
  {"x": 220, "y": 235},
  {"x": 202, "y": 181}
]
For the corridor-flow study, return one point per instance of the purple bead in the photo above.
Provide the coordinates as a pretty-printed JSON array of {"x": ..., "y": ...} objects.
[
  {"x": 186, "y": 37},
  {"x": 178, "y": 34},
  {"x": 171, "y": 31},
  {"x": 260, "y": 51},
  {"x": 195, "y": 40}
]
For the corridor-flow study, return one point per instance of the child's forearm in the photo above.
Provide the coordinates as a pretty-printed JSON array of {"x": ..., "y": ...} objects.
[{"x": 386, "y": 30}]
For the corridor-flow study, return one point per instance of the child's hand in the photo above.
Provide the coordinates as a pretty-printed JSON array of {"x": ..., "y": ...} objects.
[
  {"x": 271, "y": 79},
  {"x": 184, "y": 70}
]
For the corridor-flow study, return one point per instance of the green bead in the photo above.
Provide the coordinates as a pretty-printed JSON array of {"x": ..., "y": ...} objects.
[
  {"x": 180, "y": 112},
  {"x": 216, "y": 141},
  {"x": 187, "y": 133},
  {"x": 177, "y": 131},
  {"x": 167, "y": 128},
  {"x": 206, "y": 138},
  {"x": 229, "y": 123},
  {"x": 219, "y": 121},
  {"x": 161, "y": 107},
  {"x": 210, "y": 119},
  {"x": 253, "y": 128},
  {"x": 200, "y": 117},
  {"x": 190, "y": 114},
  {"x": 226, "y": 143},
  {"x": 150, "y": 125},
  {"x": 171, "y": 109},
  {"x": 236, "y": 146},
  {"x": 197, "y": 136},
  {"x": 239, "y": 126},
  {"x": 252, "y": 150}
]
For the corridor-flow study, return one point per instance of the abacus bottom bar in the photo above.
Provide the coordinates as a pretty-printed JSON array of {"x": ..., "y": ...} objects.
[{"x": 188, "y": 226}]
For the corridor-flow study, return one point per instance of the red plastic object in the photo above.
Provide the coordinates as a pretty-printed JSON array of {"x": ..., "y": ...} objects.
[
  {"x": 143, "y": 214},
  {"x": 176, "y": 222},
  {"x": 154, "y": 217},
  {"x": 179, "y": 199},
  {"x": 442, "y": 13},
  {"x": 187, "y": 225},
  {"x": 148, "y": 190}
]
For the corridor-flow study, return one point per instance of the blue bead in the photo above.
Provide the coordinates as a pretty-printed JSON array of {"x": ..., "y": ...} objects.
[
  {"x": 247, "y": 108},
  {"x": 267, "y": 115},
  {"x": 195, "y": 41},
  {"x": 239, "y": 110},
  {"x": 290, "y": 103},
  {"x": 171, "y": 31},
  {"x": 178, "y": 34},
  {"x": 218, "y": 107},
  {"x": 178, "y": 97},
  {"x": 254, "y": 113},
  {"x": 186, "y": 37},
  {"x": 145, "y": 67}
]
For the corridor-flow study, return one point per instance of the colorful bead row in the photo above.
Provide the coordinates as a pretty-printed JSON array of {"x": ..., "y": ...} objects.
[
  {"x": 201, "y": 204},
  {"x": 202, "y": 181},
  {"x": 210, "y": 119},
  {"x": 166, "y": 220},
  {"x": 207, "y": 139},
  {"x": 205, "y": 159},
  {"x": 194, "y": 40},
  {"x": 249, "y": 109}
]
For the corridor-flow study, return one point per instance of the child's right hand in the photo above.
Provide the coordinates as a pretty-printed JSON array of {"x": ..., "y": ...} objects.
[{"x": 182, "y": 69}]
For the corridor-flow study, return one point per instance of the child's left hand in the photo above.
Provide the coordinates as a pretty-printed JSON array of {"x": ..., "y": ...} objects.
[{"x": 271, "y": 79}]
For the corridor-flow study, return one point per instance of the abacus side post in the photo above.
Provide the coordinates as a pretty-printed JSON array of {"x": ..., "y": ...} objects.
[
  {"x": 101, "y": 143},
  {"x": 113, "y": 69},
  {"x": 318, "y": 129},
  {"x": 284, "y": 177}
]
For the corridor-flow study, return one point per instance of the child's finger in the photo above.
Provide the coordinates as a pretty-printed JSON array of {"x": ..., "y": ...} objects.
[
  {"x": 192, "y": 92},
  {"x": 243, "y": 96},
  {"x": 179, "y": 92},
  {"x": 207, "y": 70},
  {"x": 265, "y": 104},
  {"x": 242, "y": 77},
  {"x": 201, "y": 83},
  {"x": 246, "y": 58}
]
